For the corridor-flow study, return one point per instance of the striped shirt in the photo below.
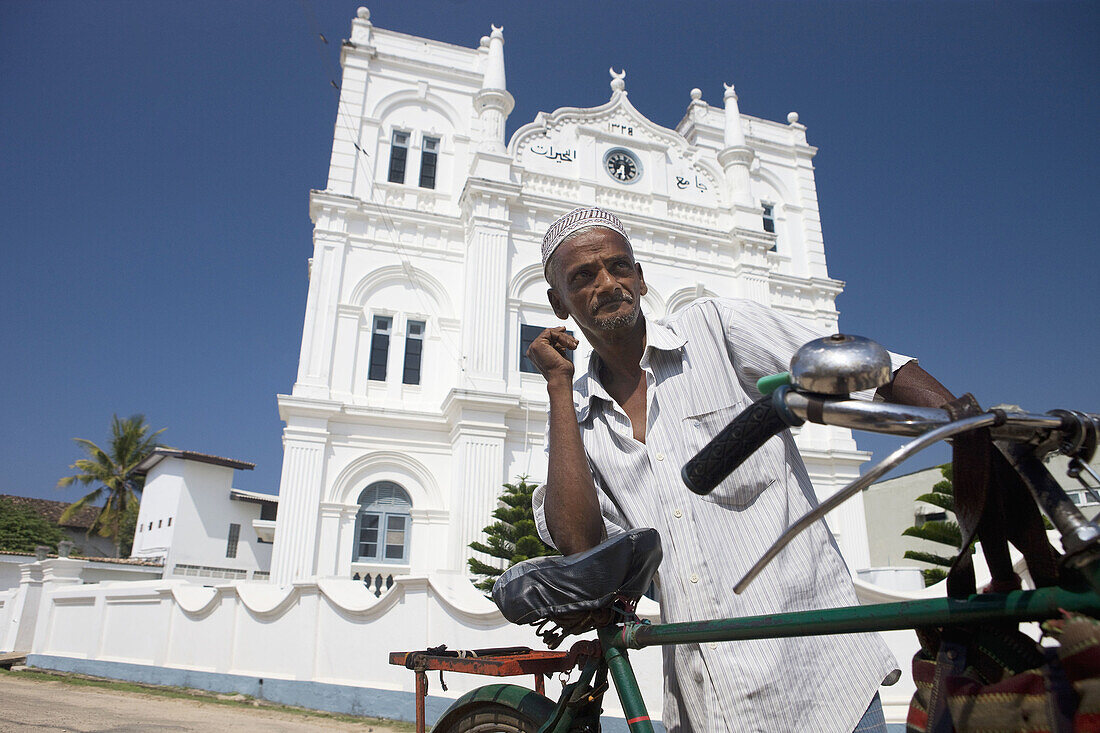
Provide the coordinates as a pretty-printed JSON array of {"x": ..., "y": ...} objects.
[{"x": 701, "y": 367}]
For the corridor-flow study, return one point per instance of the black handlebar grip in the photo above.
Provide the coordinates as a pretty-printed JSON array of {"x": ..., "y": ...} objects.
[{"x": 730, "y": 448}]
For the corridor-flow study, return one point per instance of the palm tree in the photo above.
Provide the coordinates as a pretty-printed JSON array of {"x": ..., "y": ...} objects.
[{"x": 112, "y": 473}]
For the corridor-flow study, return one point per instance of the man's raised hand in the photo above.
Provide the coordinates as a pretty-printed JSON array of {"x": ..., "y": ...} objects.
[{"x": 548, "y": 353}]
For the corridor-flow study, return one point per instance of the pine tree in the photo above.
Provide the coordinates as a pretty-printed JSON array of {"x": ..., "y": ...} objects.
[
  {"x": 512, "y": 538},
  {"x": 943, "y": 531}
]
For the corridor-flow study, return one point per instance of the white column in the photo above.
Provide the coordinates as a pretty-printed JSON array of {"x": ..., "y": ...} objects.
[
  {"x": 344, "y": 164},
  {"x": 485, "y": 307},
  {"x": 736, "y": 156},
  {"x": 319, "y": 330},
  {"x": 477, "y": 481},
  {"x": 429, "y": 533},
  {"x": 335, "y": 544},
  {"x": 294, "y": 554},
  {"x": 24, "y": 616},
  {"x": 493, "y": 102}
]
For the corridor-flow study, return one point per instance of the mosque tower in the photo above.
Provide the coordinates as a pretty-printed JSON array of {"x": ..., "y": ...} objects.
[{"x": 413, "y": 402}]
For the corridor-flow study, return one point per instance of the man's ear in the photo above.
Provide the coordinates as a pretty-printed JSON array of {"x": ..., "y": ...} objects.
[
  {"x": 556, "y": 304},
  {"x": 638, "y": 269}
]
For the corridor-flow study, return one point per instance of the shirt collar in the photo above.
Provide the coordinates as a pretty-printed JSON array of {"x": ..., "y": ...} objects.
[{"x": 588, "y": 387}]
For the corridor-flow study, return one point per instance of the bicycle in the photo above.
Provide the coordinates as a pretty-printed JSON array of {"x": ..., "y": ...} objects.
[{"x": 597, "y": 589}]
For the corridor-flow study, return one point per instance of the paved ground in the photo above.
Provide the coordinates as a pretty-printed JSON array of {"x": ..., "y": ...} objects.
[{"x": 34, "y": 704}]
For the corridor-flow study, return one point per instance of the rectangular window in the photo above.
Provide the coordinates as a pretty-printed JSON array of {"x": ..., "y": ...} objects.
[
  {"x": 527, "y": 336},
  {"x": 234, "y": 538},
  {"x": 169, "y": 521},
  {"x": 395, "y": 536},
  {"x": 414, "y": 346},
  {"x": 429, "y": 156},
  {"x": 368, "y": 537},
  {"x": 160, "y": 523},
  {"x": 379, "y": 348},
  {"x": 399, "y": 153},
  {"x": 769, "y": 218},
  {"x": 383, "y": 537}
]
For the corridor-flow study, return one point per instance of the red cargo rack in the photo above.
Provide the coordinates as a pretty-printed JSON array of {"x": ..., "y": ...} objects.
[{"x": 500, "y": 662}]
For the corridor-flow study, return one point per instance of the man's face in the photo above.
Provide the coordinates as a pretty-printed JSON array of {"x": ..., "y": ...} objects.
[{"x": 595, "y": 279}]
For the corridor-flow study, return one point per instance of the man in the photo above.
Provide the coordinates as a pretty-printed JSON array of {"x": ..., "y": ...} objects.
[{"x": 653, "y": 394}]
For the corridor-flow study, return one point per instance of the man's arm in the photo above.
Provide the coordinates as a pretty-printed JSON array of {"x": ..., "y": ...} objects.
[
  {"x": 912, "y": 385},
  {"x": 572, "y": 509}
]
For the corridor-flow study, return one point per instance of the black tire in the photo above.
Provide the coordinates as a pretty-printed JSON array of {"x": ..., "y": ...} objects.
[{"x": 489, "y": 717}]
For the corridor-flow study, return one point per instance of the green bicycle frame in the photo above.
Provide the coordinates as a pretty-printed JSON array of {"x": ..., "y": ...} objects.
[{"x": 1017, "y": 606}]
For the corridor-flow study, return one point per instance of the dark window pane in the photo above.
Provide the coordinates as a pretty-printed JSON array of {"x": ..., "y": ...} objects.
[
  {"x": 234, "y": 538},
  {"x": 427, "y": 169},
  {"x": 414, "y": 345},
  {"x": 379, "y": 348},
  {"x": 769, "y": 219},
  {"x": 399, "y": 151},
  {"x": 527, "y": 336}
]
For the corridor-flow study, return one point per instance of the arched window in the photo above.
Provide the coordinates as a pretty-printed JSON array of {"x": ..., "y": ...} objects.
[{"x": 382, "y": 525}]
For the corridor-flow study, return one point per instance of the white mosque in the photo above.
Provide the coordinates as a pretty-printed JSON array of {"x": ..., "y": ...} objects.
[{"x": 413, "y": 402}]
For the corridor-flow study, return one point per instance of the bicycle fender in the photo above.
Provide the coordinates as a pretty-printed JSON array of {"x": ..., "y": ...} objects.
[{"x": 535, "y": 706}]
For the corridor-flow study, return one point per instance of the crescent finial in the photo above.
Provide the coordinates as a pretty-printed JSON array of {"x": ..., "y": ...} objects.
[{"x": 617, "y": 83}]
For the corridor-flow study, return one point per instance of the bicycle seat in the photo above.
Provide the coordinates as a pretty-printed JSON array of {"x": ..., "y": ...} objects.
[{"x": 548, "y": 587}]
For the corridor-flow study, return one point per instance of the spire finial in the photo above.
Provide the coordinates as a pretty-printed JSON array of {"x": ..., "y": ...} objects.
[
  {"x": 734, "y": 136},
  {"x": 696, "y": 94},
  {"x": 792, "y": 118},
  {"x": 363, "y": 13},
  {"x": 494, "y": 70},
  {"x": 617, "y": 83}
]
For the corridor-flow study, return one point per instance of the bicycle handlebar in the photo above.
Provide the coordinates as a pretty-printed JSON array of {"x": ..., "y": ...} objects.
[
  {"x": 786, "y": 407},
  {"x": 747, "y": 432}
]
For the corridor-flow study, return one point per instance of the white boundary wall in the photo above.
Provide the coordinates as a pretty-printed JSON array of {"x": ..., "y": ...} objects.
[
  {"x": 8, "y": 626},
  {"x": 330, "y": 631}
]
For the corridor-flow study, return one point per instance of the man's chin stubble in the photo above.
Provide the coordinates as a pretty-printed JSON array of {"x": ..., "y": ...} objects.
[{"x": 615, "y": 322}]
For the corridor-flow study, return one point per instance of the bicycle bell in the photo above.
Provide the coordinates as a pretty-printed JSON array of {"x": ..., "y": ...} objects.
[{"x": 839, "y": 364}]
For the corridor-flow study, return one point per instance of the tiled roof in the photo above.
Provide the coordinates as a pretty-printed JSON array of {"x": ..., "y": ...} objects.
[
  {"x": 52, "y": 510},
  {"x": 156, "y": 562},
  {"x": 189, "y": 455}
]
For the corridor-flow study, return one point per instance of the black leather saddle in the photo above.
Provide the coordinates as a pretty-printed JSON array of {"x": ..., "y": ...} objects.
[{"x": 550, "y": 588}]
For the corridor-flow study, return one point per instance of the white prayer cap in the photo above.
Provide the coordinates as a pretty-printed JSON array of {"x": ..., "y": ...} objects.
[{"x": 584, "y": 217}]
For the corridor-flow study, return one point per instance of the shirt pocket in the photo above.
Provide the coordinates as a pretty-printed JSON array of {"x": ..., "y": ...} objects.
[{"x": 762, "y": 469}]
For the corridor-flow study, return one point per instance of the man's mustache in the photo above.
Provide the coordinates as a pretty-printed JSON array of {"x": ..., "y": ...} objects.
[{"x": 623, "y": 297}]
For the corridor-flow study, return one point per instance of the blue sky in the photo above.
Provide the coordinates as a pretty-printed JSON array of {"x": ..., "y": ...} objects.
[{"x": 157, "y": 161}]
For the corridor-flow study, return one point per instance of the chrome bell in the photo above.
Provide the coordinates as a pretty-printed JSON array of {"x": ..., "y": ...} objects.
[{"x": 840, "y": 364}]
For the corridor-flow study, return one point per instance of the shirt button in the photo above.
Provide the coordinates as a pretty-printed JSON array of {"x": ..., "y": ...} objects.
[
  {"x": 694, "y": 578},
  {"x": 677, "y": 514},
  {"x": 660, "y": 456}
]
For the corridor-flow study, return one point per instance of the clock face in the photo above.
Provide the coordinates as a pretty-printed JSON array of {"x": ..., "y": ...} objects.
[{"x": 622, "y": 166}]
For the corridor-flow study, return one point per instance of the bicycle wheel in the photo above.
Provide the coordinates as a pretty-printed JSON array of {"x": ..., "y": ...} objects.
[{"x": 489, "y": 718}]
